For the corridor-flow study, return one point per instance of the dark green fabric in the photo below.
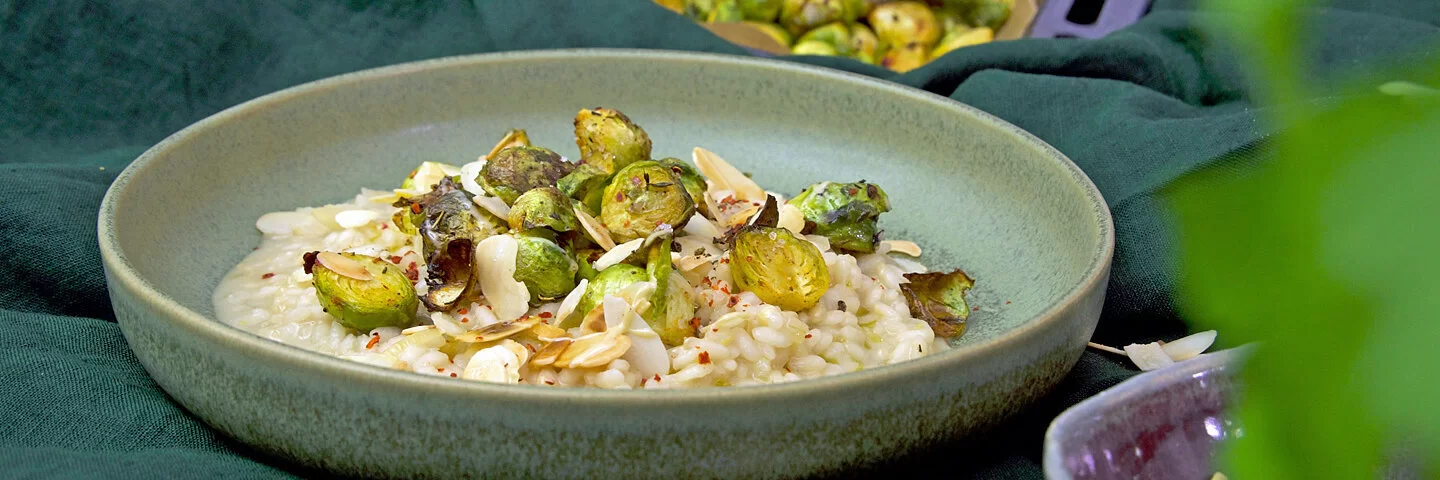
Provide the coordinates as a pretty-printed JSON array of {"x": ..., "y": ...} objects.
[{"x": 86, "y": 86}]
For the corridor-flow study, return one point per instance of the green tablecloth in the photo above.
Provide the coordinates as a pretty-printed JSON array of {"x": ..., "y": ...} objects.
[{"x": 86, "y": 86}]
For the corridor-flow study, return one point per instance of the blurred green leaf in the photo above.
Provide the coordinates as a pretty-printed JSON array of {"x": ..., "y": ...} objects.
[{"x": 1320, "y": 254}]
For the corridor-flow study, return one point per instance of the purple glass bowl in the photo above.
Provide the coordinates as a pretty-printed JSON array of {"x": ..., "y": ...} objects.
[{"x": 1161, "y": 424}]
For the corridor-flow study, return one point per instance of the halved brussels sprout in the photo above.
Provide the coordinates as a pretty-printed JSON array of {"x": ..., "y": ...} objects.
[
  {"x": 517, "y": 170},
  {"x": 543, "y": 207},
  {"x": 360, "y": 291},
  {"x": 799, "y": 16},
  {"x": 692, "y": 180},
  {"x": 443, "y": 214},
  {"x": 641, "y": 197},
  {"x": 900, "y": 23},
  {"x": 780, "y": 268},
  {"x": 586, "y": 184},
  {"x": 846, "y": 213},
  {"x": 607, "y": 282},
  {"x": 671, "y": 307},
  {"x": 544, "y": 267},
  {"x": 760, "y": 10},
  {"x": 609, "y": 140},
  {"x": 939, "y": 299}
]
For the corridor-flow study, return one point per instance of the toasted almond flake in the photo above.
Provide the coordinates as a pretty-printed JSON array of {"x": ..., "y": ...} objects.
[
  {"x": 494, "y": 205},
  {"x": 1148, "y": 356},
  {"x": 1190, "y": 346},
  {"x": 726, "y": 176},
  {"x": 742, "y": 216},
  {"x": 416, "y": 329},
  {"x": 820, "y": 242},
  {"x": 593, "y": 350},
  {"x": 572, "y": 300},
  {"x": 495, "y": 258},
  {"x": 791, "y": 218},
  {"x": 1219, "y": 476},
  {"x": 356, "y": 218},
  {"x": 594, "y": 321},
  {"x": 597, "y": 231},
  {"x": 497, "y": 331},
  {"x": 468, "y": 173},
  {"x": 500, "y": 363},
  {"x": 551, "y": 351},
  {"x": 428, "y": 174},
  {"x": 275, "y": 223},
  {"x": 344, "y": 266},
  {"x": 326, "y": 215},
  {"x": 512, "y": 138},
  {"x": 618, "y": 254},
  {"x": 546, "y": 332},
  {"x": 384, "y": 198},
  {"x": 900, "y": 246},
  {"x": 909, "y": 266},
  {"x": 691, "y": 262},
  {"x": 647, "y": 353},
  {"x": 700, "y": 226}
]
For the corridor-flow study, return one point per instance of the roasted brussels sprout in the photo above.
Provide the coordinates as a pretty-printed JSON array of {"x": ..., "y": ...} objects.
[
  {"x": 799, "y": 16},
  {"x": 360, "y": 291},
  {"x": 901, "y": 23},
  {"x": 698, "y": 9},
  {"x": 692, "y": 180},
  {"x": 774, "y": 31},
  {"x": 516, "y": 170},
  {"x": 450, "y": 274},
  {"x": 586, "y": 184},
  {"x": 904, "y": 58},
  {"x": 961, "y": 37},
  {"x": 845, "y": 213},
  {"x": 543, "y": 207},
  {"x": 670, "y": 304},
  {"x": 544, "y": 267},
  {"x": 608, "y": 281},
  {"x": 641, "y": 197},
  {"x": 836, "y": 35},
  {"x": 864, "y": 45},
  {"x": 950, "y": 19},
  {"x": 725, "y": 11},
  {"x": 443, "y": 214},
  {"x": 609, "y": 140},
  {"x": 760, "y": 10},
  {"x": 987, "y": 13},
  {"x": 780, "y": 268},
  {"x": 512, "y": 138},
  {"x": 857, "y": 9},
  {"x": 813, "y": 48},
  {"x": 939, "y": 299}
]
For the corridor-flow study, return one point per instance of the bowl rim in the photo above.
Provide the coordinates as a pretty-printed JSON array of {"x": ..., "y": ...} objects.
[{"x": 119, "y": 269}]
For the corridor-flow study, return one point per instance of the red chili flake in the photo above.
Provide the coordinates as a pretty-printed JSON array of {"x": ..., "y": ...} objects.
[
  {"x": 733, "y": 301},
  {"x": 546, "y": 314},
  {"x": 695, "y": 323},
  {"x": 267, "y": 275},
  {"x": 716, "y": 330},
  {"x": 619, "y": 196},
  {"x": 975, "y": 309},
  {"x": 464, "y": 319},
  {"x": 374, "y": 339},
  {"x": 530, "y": 347},
  {"x": 549, "y": 382},
  {"x": 749, "y": 258},
  {"x": 454, "y": 375},
  {"x": 414, "y": 208},
  {"x": 463, "y": 311},
  {"x": 704, "y": 358},
  {"x": 1007, "y": 302},
  {"x": 657, "y": 377},
  {"x": 725, "y": 260},
  {"x": 643, "y": 380},
  {"x": 439, "y": 369},
  {"x": 396, "y": 259},
  {"x": 725, "y": 288},
  {"x": 808, "y": 335},
  {"x": 412, "y": 273}
]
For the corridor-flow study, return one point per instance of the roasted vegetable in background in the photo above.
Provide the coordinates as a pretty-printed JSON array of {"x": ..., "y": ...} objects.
[
  {"x": 641, "y": 197},
  {"x": 725, "y": 11},
  {"x": 799, "y": 16},
  {"x": 516, "y": 170},
  {"x": 780, "y": 268},
  {"x": 864, "y": 45},
  {"x": 813, "y": 47},
  {"x": 607, "y": 282},
  {"x": 360, "y": 291},
  {"x": 846, "y": 213},
  {"x": 836, "y": 35},
  {"x": 985, "y": 13},
  {"x": 544, "y": 207},
  {"x": 904, "y": 58},
  {"x": 689, "y": 177},
  {"x": 902, "y": 23},
  {"x": 544, "y": 267},
  {"x": 760, "y": 10},
  {"x": 961, "y": 37},
  {"x": 939, "y": 299},
  {"x": 609, "y": 140},
  {"x": 774, "y": 31}
]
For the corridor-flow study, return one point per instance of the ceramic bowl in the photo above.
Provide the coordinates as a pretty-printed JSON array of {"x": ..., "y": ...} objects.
[
  {"x": 975, "y": 191},
  {"x": 1165, "y": 423}
]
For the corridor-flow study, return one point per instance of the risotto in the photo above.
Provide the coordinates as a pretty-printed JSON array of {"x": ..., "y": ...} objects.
[{"x": 616, "y": 271}]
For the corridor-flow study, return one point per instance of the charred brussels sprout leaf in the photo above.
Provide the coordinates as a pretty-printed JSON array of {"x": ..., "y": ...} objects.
[
  {"x": 608, "y": 281},
  {"x": 586, "y": 184},
  {"x": 641, "y": 197},
  {"x": 543, "y": 207},
  {"x": 544, "y": 267},
  {"x": 609, "y": 140},
  {"x": 780, "y": 268},
  {"x": 450, "y": 274},
  {"x": 443, "y": 214},
  {"x": 360, "y": 291},
  {"x": 846, "y": 213},
  {"x": 939, "y": 299},
  {"x": 517, "y": 170}
]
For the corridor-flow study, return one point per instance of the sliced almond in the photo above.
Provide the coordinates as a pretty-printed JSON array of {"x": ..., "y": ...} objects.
[
  {"x": 742, "y": 216},
  {"x": 791, "y": 218},
  {"x": 344, "y": 266},
  {"x": 1148, "y": 356},
  {"x": 550, "y": 352},
  {"x": 567, "y": 306},
  {"x": 494, "y": 205},
  {"x": 597, "y": 231},
  {"x": 594, "y": 321},
  {"x": 500, "y": 363},
  {"x": 1190, "y": 346},
  {"x": 512, "y": 138},
  {"x": 726, "y": 176},
  {"x": 900, "y": 246},
  {"x": 546, "y": 332},
  {"x": 416, "y": 329},
  {"x": 281, "y": 222},
  {"x": 618, "y": 254},
  {"x": 497, "y": 331},
  {"x": 356, "y": 218},
  {"x": 593, "y": 350}
]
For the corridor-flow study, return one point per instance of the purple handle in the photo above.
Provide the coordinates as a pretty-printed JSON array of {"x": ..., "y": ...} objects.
[{"x": 1057, "y": 21}]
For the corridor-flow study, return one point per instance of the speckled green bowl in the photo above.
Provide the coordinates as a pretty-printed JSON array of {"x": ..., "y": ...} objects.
[{"x": 975, "y": 191}]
